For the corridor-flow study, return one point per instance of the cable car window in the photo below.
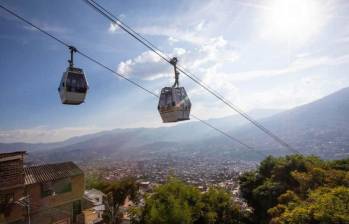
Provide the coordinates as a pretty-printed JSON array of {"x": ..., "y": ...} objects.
[
  {"x": 162, "y": 99},
  {"x": 76, "y": 83},
  {"x": 168, "y": 98}
]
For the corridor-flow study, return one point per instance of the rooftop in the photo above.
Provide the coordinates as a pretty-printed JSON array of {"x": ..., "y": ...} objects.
[
  {"x": 49, "y": 172},
  {"x": 9, "y": 154}
]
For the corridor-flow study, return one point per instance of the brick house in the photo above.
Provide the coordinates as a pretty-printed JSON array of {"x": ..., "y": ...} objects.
[
  {"x": 55, "y": 191},
  {"x": 11, "y": 185}
]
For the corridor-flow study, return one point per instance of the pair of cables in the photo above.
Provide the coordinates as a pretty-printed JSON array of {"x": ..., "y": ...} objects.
[
  {"x": 92, "y": 59},
  {"x": 116, "y": 21}
]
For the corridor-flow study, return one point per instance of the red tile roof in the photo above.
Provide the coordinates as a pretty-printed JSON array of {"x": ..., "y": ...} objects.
[{"x": 49, "y": 172}]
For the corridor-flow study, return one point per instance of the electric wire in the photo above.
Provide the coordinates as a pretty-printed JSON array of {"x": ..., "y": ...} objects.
[
  {"x": 115, "y": 20},
  {"x": 123, "y": 76}
]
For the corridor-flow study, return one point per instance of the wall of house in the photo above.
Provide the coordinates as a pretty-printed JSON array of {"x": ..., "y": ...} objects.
[
  {"x": 52, "y": 207},
  {"x": 16, "y": 212},
  {"x": 90, "y": 216},
  {"x": 11, "y": 172}
]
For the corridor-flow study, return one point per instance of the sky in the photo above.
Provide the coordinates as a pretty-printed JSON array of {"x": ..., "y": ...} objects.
[{"x": 259, "y": 54}]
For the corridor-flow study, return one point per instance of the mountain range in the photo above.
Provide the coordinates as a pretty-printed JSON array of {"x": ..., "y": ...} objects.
[{"x": 320, "y": 128}]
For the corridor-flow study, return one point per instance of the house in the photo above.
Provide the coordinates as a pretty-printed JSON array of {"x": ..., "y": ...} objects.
[
  {"x": 11, "y": 186},
  {"x": 50, "y": 193},
  {"x": 124, "y": 209},
  {"x": 93, "y": 206}
]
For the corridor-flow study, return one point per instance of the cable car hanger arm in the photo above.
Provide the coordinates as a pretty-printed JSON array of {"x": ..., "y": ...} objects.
[
  {"x": 72, "y": 51},
  {"x": 173, "y": 62}
]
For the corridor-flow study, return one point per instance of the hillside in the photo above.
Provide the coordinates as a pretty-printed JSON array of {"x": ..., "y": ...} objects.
[
  {"x": 125, "y": 143},
  {"x": 320, "y": 127}
]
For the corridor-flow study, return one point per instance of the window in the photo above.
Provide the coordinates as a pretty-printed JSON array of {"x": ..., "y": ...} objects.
[
  {"x": 76, "y": 83},
  {"x": 62, "y": 186},
  {"x": 57, "y": 187},
  {"x": 46, "y": 189}
]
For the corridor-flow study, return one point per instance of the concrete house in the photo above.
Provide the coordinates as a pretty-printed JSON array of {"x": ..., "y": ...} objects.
[
  {"x": 50, "y": 193},
  {"x": 93, "y": 206}
]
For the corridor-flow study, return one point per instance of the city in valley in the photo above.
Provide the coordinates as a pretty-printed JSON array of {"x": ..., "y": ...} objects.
[{"x": 201, "y": 172}]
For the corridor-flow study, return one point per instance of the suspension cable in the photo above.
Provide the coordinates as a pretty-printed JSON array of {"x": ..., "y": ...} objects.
[
  {"x": 124, "y": 77},
  {"x": 115, "y": 20}
]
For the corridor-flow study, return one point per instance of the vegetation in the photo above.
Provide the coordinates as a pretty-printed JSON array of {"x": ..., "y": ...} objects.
[
  {"x": 117, "y": 192},
  {"x": 298, "y": 189},
  {"x": 286, "y": 190},
  {"x": 177, "y": 202}
]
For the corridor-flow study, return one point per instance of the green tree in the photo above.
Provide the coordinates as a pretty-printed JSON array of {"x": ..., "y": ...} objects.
[
  {"x": 324, "y": 205},
  {"x": 274, "y": 177},
  {"x": 176, "y": 202},
  {"x": 173, "y": 202},
  {"x": 117, "y": 192}
]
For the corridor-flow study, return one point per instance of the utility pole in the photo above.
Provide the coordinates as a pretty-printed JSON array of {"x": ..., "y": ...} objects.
[{"x": 25, "y": 202}]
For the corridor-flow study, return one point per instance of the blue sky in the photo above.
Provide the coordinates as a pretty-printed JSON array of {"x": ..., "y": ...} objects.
[{"x": 259, "y": 54}]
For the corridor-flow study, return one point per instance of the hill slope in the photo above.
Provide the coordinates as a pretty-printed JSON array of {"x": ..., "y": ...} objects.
[{"x": 320, "y": 127}]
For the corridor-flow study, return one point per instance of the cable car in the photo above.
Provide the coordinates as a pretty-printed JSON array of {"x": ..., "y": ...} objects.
[
  {"x": 174, "y": 104},
  {"x": 73, "y": 87}
]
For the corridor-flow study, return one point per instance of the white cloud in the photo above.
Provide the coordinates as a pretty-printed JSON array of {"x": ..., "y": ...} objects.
[
  {"x": 215, "y": 52},
  {"x": 147, "y": 65},
  {"x": 44, "y": 134},
  {"x": 200, "y": 26},
  {"x": 113, "y": 27},
  {"x": 284, "y": 96},
  {"x": 172, "y": 40},
  {"x": 298, "y": 65},
  {"x": 306, "y": 90},
  {"x": 173, "y": 32}
]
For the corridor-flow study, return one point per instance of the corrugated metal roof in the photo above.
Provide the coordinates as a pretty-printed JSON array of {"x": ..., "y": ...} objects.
[{"x": 49, "y": 172}]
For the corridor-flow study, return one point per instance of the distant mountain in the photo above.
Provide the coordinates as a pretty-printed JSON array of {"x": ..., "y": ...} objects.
[
  {"x": 121, "y": 142},
  {"x": 320, "y": 127}
]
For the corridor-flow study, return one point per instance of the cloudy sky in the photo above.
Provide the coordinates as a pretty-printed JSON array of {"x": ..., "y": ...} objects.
[{"x": 258, "y": 54}]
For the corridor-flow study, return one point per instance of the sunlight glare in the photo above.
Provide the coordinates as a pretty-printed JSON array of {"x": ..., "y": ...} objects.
[{"x": 294, "y": 21}]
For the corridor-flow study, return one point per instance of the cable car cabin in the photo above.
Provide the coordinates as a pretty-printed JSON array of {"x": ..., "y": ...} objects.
[
  {"x": 73, "y": 87},
  {"x": 174, "y": 104}
]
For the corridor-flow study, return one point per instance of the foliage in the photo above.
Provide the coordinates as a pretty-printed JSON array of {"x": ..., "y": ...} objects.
[
  {"x": 324, "y": 205},
  {"x": 285, "y": 189},
  {"x": 176, "y": 202},
  {"x": 117, "y": 192}
]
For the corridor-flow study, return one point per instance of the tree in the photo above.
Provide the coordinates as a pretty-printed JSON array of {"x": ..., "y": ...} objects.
[
  {"x": 324, "y": 205},
  {"x": 173, "y": 202},
  {"x": 176, "y": 202},
  {"x": 275, "y": 178},
  {"x": 117, "y": 192}
]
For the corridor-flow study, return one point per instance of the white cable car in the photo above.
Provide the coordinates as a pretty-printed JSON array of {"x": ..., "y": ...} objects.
[
  {"x": 73, "y": 87},
  {"x": 174, "y": 104}
]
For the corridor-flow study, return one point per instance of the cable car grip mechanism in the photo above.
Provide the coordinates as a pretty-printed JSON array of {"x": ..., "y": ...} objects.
[
  {"x": 173, "y": 62},
  {"x": 72, "y": 51}
]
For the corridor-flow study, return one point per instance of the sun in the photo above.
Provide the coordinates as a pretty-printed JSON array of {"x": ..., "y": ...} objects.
[{"x": 294, "y": 21}]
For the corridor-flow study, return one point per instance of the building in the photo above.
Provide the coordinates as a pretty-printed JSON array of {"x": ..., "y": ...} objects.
[
  {"x": 11, "y": 186},
  {"x": 124, "y": 210},
  {"x": 50, "y": 193},
  {"x": 93, "y": 206}
]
